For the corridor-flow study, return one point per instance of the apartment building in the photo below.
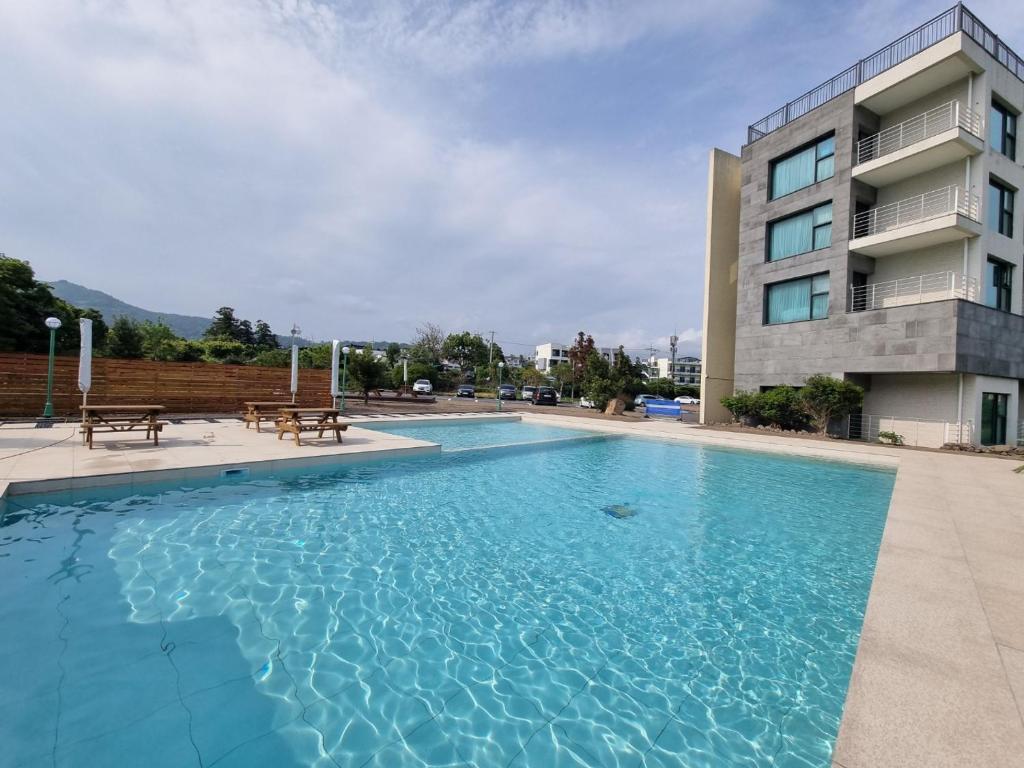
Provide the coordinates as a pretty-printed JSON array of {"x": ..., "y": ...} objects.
[
  {"x": 552, "y": 353},
  {"x": 872, "y": 230},
  {"x": 685, "y": 371}
]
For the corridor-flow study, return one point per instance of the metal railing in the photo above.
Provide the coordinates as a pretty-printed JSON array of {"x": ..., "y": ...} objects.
[
  {"x": 918, "y": 128},
  {"x": 946, "y": 24},
  {"x": 930, "y": 205},
  {"x": 937, "y": 286},
  {"x": 924, "y": 433}
]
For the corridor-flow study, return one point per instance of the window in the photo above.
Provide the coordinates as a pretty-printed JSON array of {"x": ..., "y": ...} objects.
[
  {"x": 804, "y": 167},
  {"x": 998, "y": 276},
  {"x": 805, "y": 298},
  {"x": 800, "y": 233},
  {"x": 1003, "y": 130},
  {"x": 994, "y": 406},
  {"x": 1000, "y": 208}
]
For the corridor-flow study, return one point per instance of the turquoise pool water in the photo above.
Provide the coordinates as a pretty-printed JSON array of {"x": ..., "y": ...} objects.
[
  {"x": 454, "y": 435},
  {"x": 481, "y": 609}
]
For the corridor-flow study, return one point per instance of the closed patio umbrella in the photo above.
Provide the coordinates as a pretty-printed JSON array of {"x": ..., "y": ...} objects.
[
  {"x": 335, "y": 352},
  {"x": 295, "y": 370},
  {"x": 85, "y": 359}
]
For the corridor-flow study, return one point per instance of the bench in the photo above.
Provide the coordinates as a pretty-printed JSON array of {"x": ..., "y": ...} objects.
[
  {"x": 296, "y": 427},
  {"x": 122, "y": 425}
]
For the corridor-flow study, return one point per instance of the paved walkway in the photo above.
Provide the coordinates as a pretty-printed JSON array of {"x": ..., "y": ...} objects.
[{"x": 939, "y": 674}]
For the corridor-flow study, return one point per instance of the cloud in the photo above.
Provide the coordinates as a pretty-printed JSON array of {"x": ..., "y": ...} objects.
[{"x": 188, "y": 155}]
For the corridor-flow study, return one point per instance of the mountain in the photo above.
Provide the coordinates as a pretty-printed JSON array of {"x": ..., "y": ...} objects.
[{"x": 186, "y": 326}]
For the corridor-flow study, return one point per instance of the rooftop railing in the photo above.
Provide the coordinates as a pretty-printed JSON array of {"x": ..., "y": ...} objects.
[
  {"x": 918, "y": 128},
  {"x": 946, "y": 24},
  {"x": 930, "y": 205},
  {"x": 918, "y": 289}
]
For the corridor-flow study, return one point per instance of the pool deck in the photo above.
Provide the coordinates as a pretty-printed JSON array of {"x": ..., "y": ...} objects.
[{"x": 939, "y": 674}]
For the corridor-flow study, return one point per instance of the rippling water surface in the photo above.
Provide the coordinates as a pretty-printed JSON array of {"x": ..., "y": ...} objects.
[
  {"x": 477, "y": 609},
  {"x": 453, "y": 435}
]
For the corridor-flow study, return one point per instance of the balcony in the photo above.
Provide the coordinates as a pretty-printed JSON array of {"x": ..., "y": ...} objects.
[
  {"x": 940, "y": 136},
  {"x": 919, "y": 289},
  {"x": 940, "y": 216}
]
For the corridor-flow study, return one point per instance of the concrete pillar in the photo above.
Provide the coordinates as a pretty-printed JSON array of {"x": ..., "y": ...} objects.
[{"x": 721, "y": 264}]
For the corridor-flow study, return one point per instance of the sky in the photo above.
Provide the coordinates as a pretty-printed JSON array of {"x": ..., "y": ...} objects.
[{"x": 362, "y": 168}]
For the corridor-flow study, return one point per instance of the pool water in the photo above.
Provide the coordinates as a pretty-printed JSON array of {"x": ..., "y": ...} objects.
[
  {"x": 455, "y": 435},
  {"x": 487, "y": 608}
]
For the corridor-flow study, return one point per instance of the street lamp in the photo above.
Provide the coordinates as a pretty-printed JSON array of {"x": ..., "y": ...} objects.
[
  {"x": 501, "y": 367},
  {"x": 344, "y": 375},
  {"x": 53, "y": 324}
]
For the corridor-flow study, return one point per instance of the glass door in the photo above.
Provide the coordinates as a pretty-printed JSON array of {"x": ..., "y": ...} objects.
[{"x": 994, "y": 406}]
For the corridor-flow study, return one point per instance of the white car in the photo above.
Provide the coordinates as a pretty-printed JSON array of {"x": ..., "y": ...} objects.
[
  {"x": 641, "y": 400},
  {"x": 687, "y": 400},
  {"x": 422, "y": 387},
  {"x": 585, "y": 403}
]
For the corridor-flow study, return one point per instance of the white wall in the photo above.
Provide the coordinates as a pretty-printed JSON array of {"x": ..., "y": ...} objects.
[
  {"x": 915, "y": 395},
  {"x": 975, "y": 386}
]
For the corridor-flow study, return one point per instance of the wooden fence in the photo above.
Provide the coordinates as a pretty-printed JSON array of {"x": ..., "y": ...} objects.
[{"x": 182, "y": 387}]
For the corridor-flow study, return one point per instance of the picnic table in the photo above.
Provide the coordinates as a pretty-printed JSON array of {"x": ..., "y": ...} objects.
[
  {"x": 121, "y": 418},
  {"x": 257, "y": 411},
  {"x": 298, "y": 420}
]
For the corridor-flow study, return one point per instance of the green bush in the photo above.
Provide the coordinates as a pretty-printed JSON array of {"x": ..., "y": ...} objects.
[
  {"x": 826, "y": 398},
  {"x": 782, "y": 407},
  {"x": 742, "y": 405}
]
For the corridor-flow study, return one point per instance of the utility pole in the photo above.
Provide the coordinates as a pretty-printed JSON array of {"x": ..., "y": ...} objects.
[
  {"x": 673, "y": 342},
  {"x": 650, "y": 360},
  {"x": 490, "y": 349}
]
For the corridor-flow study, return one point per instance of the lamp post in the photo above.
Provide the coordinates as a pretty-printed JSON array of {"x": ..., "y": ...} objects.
[
  {"x": 344, "y": 375},
  {"x": 405, "y": 372},
  {"x": 501, "y": 367},
  {"x": 53, "y": 324}
]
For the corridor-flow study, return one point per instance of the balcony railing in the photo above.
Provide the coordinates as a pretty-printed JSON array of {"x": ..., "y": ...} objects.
[
  {"x": 913, "y": 290},
  {"x": 918, "y": 128},
  {"x": 946, "y": 24},
  {"x": 930, "y": 205}
]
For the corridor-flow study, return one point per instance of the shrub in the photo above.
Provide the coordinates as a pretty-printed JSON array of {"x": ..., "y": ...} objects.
[
  {"x": 891, "y": 437},
  {"x": 741, "y": 405},
  {"x": 825, "y": 398},
  {"x": 782, "y": 407}
]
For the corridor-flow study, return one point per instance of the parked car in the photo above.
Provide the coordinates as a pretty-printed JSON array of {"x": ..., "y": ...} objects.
[
  {"x": 506, "y": 392},
  {"x": 422, "y": 387},
  {"x": 641, "y": 400},
  {"x": 687, "y": 400},
  {"x": 528, "y": 393},
  {"x": 465, "y": 390},
  {"x": 545, "y": 396}
]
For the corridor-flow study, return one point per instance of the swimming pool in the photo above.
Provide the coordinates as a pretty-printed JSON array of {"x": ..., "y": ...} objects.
[
  {"x": 601, "y": 603},
  {"x": 455, "y": 435}
]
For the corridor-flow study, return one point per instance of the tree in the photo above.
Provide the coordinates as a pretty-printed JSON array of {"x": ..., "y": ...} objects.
[
  {"x": 563, "y": 373},
  {"x": 392, "y": 353},
  {"x": 124, "y": 340},
  {"x": 224, "y": 325},
  {"x": 826, "y": 398},
  {"x": 273, "y": 358},
  {"x": 226, "y": 351},
  {"x": 264, "y": 338},
  {"x": 245, "y": 334},
  {"x": 159, "y": 342},
  {"x": 367, "y": 371},
  {"x": 429, "y": 344},
  {"x": 466, "y": 349},
  {"x": 315, "y": 356},
  {"x": 25, "y": 303},
  {"x": 579, "y": 353}
]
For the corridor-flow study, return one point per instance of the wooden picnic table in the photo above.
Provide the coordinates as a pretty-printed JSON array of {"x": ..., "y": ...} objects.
[
  {"x": 257, "y": 411},
  {"x": 296, "y": 420},
  {"x": 121, "y": 418}
]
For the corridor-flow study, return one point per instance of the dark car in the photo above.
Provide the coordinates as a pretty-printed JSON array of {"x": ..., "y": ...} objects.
[
  {"x": 506, "y": 392},
  {"x": 545, "y": 396},
  {"x": 466, "y": 390}
]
